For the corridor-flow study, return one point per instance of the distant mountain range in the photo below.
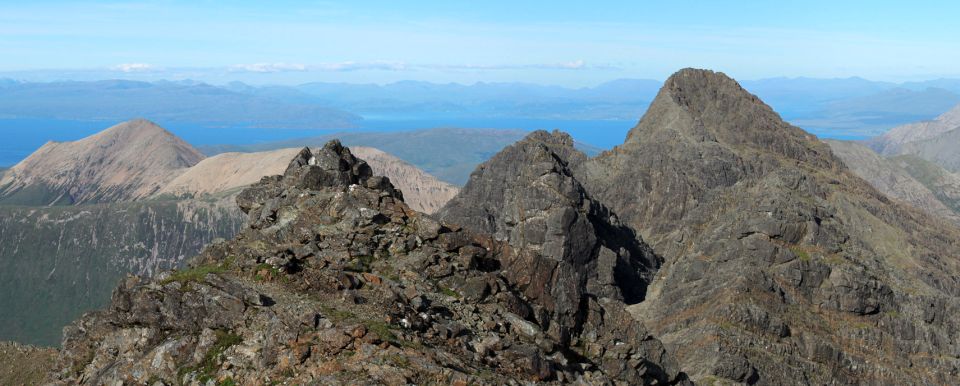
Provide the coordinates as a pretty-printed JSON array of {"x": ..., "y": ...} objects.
[
  {"x": 845, "y": 107},
  {"x": 620, "y": 99},
  {"x": 170, "y": 102},
  {"x": 849, "y": 107}
]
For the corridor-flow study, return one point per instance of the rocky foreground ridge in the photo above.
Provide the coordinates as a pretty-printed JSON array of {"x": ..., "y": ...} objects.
[
  {"x": 335, "y": 280},
  {"x": 717, "y": 245}
]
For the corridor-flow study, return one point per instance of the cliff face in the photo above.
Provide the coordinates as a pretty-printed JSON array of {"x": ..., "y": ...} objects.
[
  {"x": 527, "y": 196},
  {"x": 779, "y": 264},
  {"x": 60, "y": 262},
  {"x": 336, "y": 281}
]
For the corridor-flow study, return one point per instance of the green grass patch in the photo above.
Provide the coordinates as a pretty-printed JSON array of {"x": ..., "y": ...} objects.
[
  {"x": 398, "y": 360},
  {"x": 835, "y": 260},
  {"x": 802, "y": 254},
  {"x": 272, "y": 272},
  {"x": 195, "y": 275},
  {"x": 390, "y": 272},
  {"x": 337, "y": 316},
  {"x": 383, "y": 330},
  {"x": 227, "y": 382},
  {"x": 449, "y": 292}
]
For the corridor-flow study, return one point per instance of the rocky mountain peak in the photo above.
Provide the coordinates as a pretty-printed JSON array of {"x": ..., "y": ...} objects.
[
  {"x": 527, "y": 196},
  {"x": 712, "y": 109},
  {"x": 768, "y": 240},
  {"x": 332, "y": 167}
]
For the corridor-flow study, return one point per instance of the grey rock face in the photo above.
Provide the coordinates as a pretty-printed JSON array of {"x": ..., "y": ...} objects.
[
  {"x": 526, "y": 195},
  {"x": 780, "y": 266},
  {"x": 336, "y": 281}
]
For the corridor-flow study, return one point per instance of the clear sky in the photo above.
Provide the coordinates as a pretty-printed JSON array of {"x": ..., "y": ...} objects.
[{"x": 571, "y": 43}]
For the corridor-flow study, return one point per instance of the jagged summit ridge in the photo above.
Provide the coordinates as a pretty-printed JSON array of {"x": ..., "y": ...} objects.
[
  {"x": 705, "y": 106},
  {"x": 336, "y": 281},
  {"x": 769, "y": 241},
  {"x": 228, "y": 172}
]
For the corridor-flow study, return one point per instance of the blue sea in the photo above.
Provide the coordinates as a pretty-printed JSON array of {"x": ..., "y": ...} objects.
[{"x": 20, "y": 137}]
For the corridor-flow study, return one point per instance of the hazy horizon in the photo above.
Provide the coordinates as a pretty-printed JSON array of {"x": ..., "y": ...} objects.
[
  {"x": 552, "y": 43},
  {"x": 96, "y": 75}
]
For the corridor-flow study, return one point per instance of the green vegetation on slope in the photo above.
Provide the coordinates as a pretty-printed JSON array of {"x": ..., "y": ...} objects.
[{"x": 59, "y": 262}]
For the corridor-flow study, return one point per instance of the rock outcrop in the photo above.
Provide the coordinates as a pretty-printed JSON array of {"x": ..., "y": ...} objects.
[
  {"x": 228, "y": 173},
  {"x": 780, "y": 266},
  {"x": 336, "y": 281},
  {"x": 527, "y": 196}
]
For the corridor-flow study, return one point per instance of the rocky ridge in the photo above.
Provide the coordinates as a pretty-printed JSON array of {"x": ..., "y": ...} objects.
[
  {"x": 227, "y": 173},
  {"x": 774, "y": 265},
  {"x": 780, "y": 266},
  {"x": 336, "y": 281}
]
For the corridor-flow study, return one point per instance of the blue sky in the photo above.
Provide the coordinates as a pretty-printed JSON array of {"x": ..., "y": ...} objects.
[{"x": 574, "y": 43}]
